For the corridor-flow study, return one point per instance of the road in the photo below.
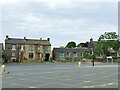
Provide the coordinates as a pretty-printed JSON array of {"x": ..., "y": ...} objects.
[{"x": 60, "y": 75}]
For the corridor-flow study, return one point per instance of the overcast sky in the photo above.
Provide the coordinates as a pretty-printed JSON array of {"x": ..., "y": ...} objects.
[{"x": 62, "y": 22}]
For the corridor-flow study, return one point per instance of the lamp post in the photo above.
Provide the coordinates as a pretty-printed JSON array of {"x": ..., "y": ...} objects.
[{"x": 18, "y": 53}]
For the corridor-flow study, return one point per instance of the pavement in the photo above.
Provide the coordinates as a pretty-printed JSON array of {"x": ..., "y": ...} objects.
[{"x": 60, "y": 75}]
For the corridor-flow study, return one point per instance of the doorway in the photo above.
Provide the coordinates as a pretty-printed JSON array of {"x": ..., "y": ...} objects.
[
  {"x": 47, "y": 56},
  {"x": 38, "y": 56},
  {"x": 22, "y": 57}
]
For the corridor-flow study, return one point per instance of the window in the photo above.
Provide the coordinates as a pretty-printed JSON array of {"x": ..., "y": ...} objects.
[
  {"x": 74, "y": 54},
  {"x": 31, "y": 55},
  {"x": 67, "y": 54},
  {"x": 13, "y": 54},
  {"x": 81, "y": 54},
  {"x": 31, "y": 48},
  {"x": 38, "y": 48},
  {"x": 21, "y": 47},
  {"x": 47, "y": 48},
  {"x": 13, "y": 47},
  {"x": 111, "y": 48},
  {"x": 61, "y": 54}
]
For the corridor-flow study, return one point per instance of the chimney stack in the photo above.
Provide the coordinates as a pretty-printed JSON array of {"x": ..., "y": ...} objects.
[
  {"x": 7, "y": 37},
  {"x": 91, "y": 40},
  {"x": 40, "y": 38},
  {"x": 24, "y": 38},
  {"x": 48, "y": 39}
]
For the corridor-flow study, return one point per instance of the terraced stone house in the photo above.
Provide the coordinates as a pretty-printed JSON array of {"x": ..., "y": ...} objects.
[
  {"x": 73, "y": 53},
  {"x": 69, "y": 53},
  {"x": 18, "y": 49}
]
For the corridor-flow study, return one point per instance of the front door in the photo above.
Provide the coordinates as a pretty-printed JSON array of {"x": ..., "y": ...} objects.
[
  {"x": 47, "y": 57},
  {"x": 38, "y": 56},
  {"x": 22, "y": 56}
]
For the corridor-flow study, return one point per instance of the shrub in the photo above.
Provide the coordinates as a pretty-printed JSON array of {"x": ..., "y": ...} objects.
[
  {"x": 86, "y": 56},
  {"x": 114, "y": 57}
]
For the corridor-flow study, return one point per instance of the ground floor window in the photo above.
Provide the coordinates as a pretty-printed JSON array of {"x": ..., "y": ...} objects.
[
  {"x": 61, "y": 54},
  {"x": 13, "y": 55},
  {"x": 74, "y": 54},
  {"x": 81, "y": 54},
  {"x": 31, "y": 55},
  {"x": 67, "y": 54}
]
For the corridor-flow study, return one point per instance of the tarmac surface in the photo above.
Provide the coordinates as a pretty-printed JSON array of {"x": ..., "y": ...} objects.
[{"x": 60, "y": 75}]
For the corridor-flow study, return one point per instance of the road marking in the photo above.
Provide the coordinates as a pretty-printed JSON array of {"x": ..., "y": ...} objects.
[
  {"x": 99, "y": 85},
  {"x": 89, "y": 75},
  {"x": 12, "y": 84},
  {"x": 86, "y": 81},
  {"x": 9, "y": 77},
  {"x": 21, "y": 79},
  {"x": 49, "y": 72},
  {"x": 64, "y": 84},
  {"x": 68, "y": 79},
  {"x": 32, "y": 87},
  {"x": 107, "y": 76}
]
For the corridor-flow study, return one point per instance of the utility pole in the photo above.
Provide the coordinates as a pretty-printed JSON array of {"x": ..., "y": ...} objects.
[{"x": 18, "y": 52}]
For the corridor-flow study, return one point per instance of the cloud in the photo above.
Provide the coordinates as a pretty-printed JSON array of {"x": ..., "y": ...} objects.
[{"x": 61, "y": 22}]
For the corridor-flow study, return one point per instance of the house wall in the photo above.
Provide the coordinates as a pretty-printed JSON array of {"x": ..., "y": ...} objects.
[
  {"x": 26, "y": 51},
  {"x": 56, "y": 55}
]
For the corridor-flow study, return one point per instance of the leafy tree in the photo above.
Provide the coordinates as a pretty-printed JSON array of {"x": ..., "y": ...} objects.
[
  {"x": 108, "y": 35},
  {"x": 82, "y": 44},
  {"x": 86, "y": 55},
  {"x": 71, "y": 44},
  {"x": 103, "y": 44}
]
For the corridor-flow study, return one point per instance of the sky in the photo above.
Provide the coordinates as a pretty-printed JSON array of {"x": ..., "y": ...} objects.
[{"x": 62, "y": 21}]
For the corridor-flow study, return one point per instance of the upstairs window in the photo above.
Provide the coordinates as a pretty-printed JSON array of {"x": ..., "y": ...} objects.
[
  {"x": 38, "y": 48},
  {"x": 31, "y": 48},
  {"x": 61, "y": 54},
  {"x": 21, "y": 47},
  {"x": 13, "y": 47}
]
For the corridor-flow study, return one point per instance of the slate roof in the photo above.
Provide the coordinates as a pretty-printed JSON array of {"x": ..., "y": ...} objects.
[
  {"x": 15, "y": 41},
  {"x": 71, "y": 49},
  {"x": 27, "y": 41}
]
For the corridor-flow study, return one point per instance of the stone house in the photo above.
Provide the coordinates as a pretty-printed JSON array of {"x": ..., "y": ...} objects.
[
  {"x": 73, "y": 53},
  {"x": 1, "y": 51},
  {"x": 18, "y": 49},
  {"x": 69, "y": 53}
]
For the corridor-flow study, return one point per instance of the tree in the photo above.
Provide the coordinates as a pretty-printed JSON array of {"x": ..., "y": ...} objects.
[
  {"x": 86, "y": 56},
  {"x": 108, "y": 35},
  {"x": 103, "y": 44},
  {"x": 82, "y": 44},
  {"x": 71, "y": 45}
]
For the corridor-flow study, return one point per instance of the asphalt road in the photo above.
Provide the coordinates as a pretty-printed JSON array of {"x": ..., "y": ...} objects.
[{"x": 60, "y": 75}]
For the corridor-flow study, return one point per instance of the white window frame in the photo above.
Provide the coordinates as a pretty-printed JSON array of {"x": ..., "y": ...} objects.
[
  {"x": 38, "y": 48},
  {"x": 31, "y": 48},
  {"x": 14, "y": 48},
  {"x": 68, "y": 55},
  {"x": 74, "y": 55},
  {"x": 13, "y": 55},
  {"x": 22, "y": 47}
]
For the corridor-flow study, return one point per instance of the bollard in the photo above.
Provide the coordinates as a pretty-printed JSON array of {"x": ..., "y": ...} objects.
[
  {"x": 79, "y": 64},
  {"x": 3, "y": 68}
]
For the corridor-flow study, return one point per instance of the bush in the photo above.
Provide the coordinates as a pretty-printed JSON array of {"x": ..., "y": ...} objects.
[
  {"x": 86, "y": 56},
  {"x": 114, "y": 57}
]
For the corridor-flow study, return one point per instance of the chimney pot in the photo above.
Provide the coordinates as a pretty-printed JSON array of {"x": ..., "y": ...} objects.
[
  {"x": 48, "y": 39},
  {"x": 24, "y": 38},
  {"x": 40, "y": 38},
  {"x": 7, "y": 37}
]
